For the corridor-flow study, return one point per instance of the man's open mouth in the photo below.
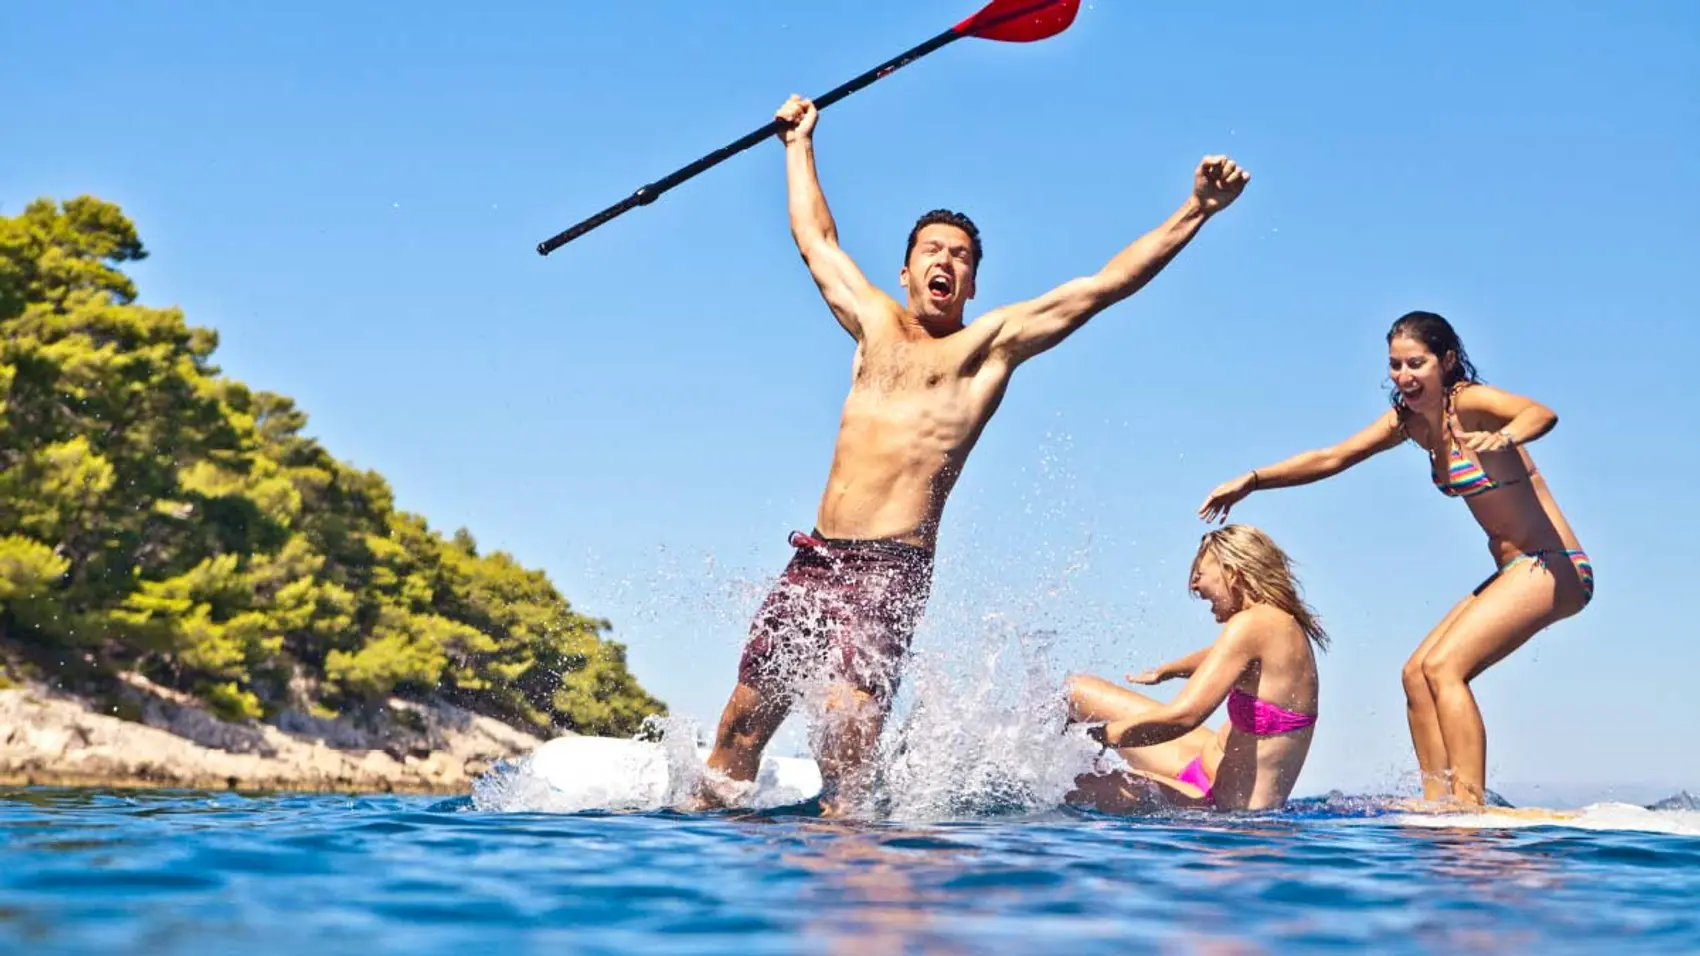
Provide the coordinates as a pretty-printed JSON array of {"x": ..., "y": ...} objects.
[{"x": 940, "y": 286}]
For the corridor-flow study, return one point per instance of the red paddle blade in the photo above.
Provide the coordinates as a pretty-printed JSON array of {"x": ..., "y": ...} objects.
[{"x": 1020, "y": 21}]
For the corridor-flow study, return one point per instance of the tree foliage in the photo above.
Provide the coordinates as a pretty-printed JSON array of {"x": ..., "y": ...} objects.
[{"x": 161, "y": 516}]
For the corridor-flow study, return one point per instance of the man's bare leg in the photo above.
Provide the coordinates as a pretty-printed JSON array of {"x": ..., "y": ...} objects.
[
  {"x": 848, "y": 735},
  {"x": 748, "y": 723}
]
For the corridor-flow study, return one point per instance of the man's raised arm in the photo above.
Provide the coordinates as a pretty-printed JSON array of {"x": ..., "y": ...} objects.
[
  {"x": 847, "y": 292},
  {"x": 1028, "y": 328}
]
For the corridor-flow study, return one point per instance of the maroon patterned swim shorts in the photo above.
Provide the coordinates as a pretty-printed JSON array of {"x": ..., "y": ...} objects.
[{"x": 850, "y": 605}]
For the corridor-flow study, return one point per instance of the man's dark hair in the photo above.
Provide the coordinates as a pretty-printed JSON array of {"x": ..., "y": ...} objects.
[{"x": 947, "y": 217}]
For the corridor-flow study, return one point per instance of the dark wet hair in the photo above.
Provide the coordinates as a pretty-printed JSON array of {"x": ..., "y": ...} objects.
[
  {"x": 947, "y": 217},
  {"x": 1437, "y": 335}
]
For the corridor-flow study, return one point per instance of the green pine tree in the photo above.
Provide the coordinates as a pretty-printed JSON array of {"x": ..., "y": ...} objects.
[{"x": 157, "y": 515}]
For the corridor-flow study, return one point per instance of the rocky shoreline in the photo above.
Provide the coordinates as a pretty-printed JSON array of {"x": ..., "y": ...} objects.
[{"x": 153, "y": 737}]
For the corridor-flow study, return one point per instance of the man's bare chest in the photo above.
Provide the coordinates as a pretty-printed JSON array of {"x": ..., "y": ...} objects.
[{"x": 911, "y": 368}]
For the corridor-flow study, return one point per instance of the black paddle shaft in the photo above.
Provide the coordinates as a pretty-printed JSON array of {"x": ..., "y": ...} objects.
[{"x": 649, "y": 193}]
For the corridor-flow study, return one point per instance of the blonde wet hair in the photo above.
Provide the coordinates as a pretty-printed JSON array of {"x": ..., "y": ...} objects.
[{"x": 1261, "y": 572}]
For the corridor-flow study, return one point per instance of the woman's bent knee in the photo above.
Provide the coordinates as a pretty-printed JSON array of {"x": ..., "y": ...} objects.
[
  {"x": 1439, "y": 670},
  {"x": 1079, "y": 683},
  {"x": 1414, "y": 679},
  {"x": 1079, "y": 688}
]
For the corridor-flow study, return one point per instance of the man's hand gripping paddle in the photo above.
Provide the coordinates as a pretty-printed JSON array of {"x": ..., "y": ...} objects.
[{"x": 1011, "y": 21}]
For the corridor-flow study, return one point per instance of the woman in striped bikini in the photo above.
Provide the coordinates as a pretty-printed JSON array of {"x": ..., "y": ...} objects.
[
  {"x": 1262, "y": 664},
  {"x": 1474, "y": 435}
]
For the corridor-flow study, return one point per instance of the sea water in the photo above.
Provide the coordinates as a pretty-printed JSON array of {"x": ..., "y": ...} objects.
[
  {"x": 966, "y": 845},
  {"x": 186, "y": 872}
]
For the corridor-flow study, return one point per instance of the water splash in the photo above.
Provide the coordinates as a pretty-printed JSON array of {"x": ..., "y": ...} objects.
[
  {"x": 977, "y": 728},
  {"x": 985, "y": 742}
]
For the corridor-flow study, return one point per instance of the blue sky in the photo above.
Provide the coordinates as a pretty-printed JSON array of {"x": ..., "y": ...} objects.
[{"x": 353, "y": 198}]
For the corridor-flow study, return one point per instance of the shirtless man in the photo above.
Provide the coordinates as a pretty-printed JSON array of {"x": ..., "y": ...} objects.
[{"x": 923, "y": 386}]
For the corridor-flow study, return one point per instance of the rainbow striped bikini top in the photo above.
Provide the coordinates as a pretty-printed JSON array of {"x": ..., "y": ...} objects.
[{"x": 1465, "y": 478}]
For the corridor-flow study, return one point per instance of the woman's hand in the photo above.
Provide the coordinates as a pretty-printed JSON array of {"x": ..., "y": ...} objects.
[
  {"x": 1155, "y": 675},
  {"x": 1478, "y": 441},
  {"x": 1226, "y": 495},
  {"x": 1485, "y": 441}
]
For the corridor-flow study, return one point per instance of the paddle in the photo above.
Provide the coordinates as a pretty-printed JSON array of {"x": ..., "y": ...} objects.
[{"x": 1011, "y": 21}]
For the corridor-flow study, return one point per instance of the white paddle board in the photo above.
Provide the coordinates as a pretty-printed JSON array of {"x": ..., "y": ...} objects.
[{"x": 605, "y": 773}]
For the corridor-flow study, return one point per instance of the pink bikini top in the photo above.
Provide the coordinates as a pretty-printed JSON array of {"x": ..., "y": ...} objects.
[{"x": 1260, "y": 718}]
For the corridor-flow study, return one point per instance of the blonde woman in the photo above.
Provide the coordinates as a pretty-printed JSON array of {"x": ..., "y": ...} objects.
[{"x": 1262, "y": 664}]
